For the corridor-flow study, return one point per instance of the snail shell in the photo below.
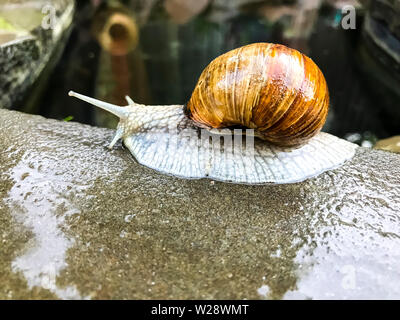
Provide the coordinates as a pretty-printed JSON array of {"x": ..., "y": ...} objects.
[
  {"x": 276, "y": 93},
  {"x": 276, "y": 90}
]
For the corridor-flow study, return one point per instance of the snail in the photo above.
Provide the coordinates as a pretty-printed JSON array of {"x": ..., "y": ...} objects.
[{"x": 266, "y": 101}]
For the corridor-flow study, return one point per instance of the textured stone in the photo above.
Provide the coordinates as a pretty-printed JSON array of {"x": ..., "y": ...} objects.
[
  {"x": 80, "y": 221},
  {"x": 390, "y": 144},
  {"x": 25, "y": 46}
]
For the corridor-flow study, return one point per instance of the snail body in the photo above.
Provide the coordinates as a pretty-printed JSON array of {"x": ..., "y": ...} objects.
[{"x": 267, "y": 102}]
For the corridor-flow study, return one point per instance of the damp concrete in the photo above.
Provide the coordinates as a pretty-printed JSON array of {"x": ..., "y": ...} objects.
[{"x": 80, "y": 221}]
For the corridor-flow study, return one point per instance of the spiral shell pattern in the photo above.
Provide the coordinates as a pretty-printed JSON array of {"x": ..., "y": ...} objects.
[{"x": 276, "y": 90}]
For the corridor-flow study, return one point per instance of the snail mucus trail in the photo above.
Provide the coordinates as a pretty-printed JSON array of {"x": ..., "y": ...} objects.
[{"x": 277, "y": 93}]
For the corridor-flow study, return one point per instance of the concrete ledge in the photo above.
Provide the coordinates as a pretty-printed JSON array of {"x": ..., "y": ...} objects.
[
  {"x": 80, "y": 221},
  {"x": 26, "y": 47}
]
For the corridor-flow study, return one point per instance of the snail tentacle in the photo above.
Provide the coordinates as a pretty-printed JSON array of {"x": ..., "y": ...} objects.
[
  {"x": 130, "y": 101},
  {"x": 118, "y": 135},
  {"x": 120, "y": 112}
]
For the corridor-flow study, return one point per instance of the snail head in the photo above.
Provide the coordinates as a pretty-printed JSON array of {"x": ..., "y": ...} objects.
[{"x": 124, "y": 127}]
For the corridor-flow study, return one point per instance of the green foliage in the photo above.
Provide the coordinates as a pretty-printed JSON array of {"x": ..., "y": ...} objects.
[
  {"x": 5, "y": 25},
  {"x": 69, "y": 118}
]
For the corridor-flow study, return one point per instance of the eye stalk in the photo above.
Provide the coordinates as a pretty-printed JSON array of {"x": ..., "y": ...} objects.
[
  {"x": 121, "y": 112},
  {"x": 118, "y": 111}
]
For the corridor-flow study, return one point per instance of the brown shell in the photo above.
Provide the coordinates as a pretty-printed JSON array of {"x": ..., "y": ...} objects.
[{"x": 274, "y": 89}]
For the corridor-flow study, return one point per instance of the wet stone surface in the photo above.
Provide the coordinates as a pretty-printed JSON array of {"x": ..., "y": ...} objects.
[
  {"x": 80, "y": 221},
  {"x": 390, "y": 144},
  {"x": 29, "y": 43}
]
